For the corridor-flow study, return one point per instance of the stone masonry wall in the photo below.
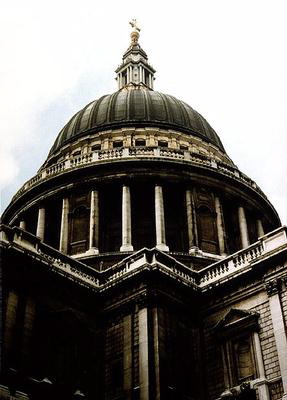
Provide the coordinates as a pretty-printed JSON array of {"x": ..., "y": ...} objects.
[
  {"x": 213, "y": 357},
  {"x": 267, "y": 340}
]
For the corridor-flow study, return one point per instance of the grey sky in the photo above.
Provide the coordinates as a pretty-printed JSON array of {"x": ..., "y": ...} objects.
[{"x": 226, "y": 58}]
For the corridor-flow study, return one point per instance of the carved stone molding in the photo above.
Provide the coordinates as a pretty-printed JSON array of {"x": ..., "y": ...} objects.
[{"x": 273, "y": 286}]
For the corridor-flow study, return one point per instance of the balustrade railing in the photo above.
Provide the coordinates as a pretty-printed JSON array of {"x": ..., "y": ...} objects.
[
  {"x": 118, "y": 153},
  {"x": 232, "y": 265}
]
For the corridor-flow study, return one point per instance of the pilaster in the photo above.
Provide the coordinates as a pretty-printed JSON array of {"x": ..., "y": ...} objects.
[
  {"x": 128, "y": 357},
  {"x": 143, "y": 354},
  {"x": 273, "y": 287}
]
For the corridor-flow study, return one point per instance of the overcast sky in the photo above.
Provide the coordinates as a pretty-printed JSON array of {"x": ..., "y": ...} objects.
[{"x": 226, "y": 58}]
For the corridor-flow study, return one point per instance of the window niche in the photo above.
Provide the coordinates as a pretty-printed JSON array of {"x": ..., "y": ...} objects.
[
  {"x": 117, "y": 144},
  {"x": 206, "y": 222},
  {"x": 79, "y": 223},
  {"x": 235, "y": 335},
  {"x": 140, "y": 142},
  {"x": 162, "y": 143},
  {"x": 96, "y": 147}
]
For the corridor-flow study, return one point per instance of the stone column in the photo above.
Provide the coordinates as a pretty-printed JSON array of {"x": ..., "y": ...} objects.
[
  {"x": 159, "y": 220},
  {"x": 243, "y": 227},
  {"x": 261, "y": 384},
  {"x": 272, "y": 288},
  {"x": 64, "y": 233},
  {"x": 143, "y": 354},
  {"x": 220, "y": 228},
  {"x": 126, "y": 220},
  {"x": 260, "y": 230},
  {"x": 190, "y": 222},
  {"x": 94, "y": 223},
  {"x": 128, "y": 357},
  {"x": 41, "y": 223},
  {"x": 128, "y": 75},
  {"x": 22, "y": 224}
]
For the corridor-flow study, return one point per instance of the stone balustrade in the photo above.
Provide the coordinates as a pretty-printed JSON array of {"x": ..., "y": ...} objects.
[
  {"x": 224, "y": 269},
  {"x": 237, "y": 262},
  {"x": 136, "y": 152}
]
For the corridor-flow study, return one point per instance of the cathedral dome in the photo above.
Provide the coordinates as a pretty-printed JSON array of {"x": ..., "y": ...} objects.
[
  {"x": 138, "y": 168},
  {"x": 138, "y": 107}
]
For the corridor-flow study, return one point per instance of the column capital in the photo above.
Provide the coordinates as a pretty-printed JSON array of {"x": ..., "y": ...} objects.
[{"x": 273, "y": 286}]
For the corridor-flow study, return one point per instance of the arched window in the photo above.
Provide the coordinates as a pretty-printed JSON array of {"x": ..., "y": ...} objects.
[{"x": 206, "y": 223}]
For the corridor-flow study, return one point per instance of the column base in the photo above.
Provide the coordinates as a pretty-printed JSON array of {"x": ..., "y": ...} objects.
[
  {"x": 162, "y": 247},
  {"x": 194, "y": 250},
  {"x": 126, "y": 247},
  {"x": 92, "y": 251}
]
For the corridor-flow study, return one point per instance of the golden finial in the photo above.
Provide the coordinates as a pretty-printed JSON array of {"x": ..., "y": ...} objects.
[{"x": 135, "y": 32}]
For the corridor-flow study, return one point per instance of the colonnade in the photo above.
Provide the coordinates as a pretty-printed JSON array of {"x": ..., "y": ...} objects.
[
  {"x": 127, "y": 76},
  {"x": 161, "y": 244}
]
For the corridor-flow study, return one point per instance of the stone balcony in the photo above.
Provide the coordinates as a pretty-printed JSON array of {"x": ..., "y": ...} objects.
[
  {"x": 140, "y": 153},
  {"x": 146, "y": 259}
]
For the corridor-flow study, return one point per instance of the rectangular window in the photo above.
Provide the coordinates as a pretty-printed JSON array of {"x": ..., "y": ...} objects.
[
  {"x": 140, "y": 142},
  {"x": 117, "y": 143},
  {"x": 96, "y": 147},
  {"x": 163, "y": 143}
]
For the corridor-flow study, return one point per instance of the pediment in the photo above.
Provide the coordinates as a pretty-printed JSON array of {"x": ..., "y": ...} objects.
[{"x": 237, "y": 319}]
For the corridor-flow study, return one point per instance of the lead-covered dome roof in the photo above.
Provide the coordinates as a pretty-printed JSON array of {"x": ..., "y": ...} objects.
[{"x": 139, "y": 107}]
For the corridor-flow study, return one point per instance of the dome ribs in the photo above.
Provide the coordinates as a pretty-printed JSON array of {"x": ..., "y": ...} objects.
[
  {"x": 84, "y": 123},
  {"x": 180, "y": 111},
  {"x": 147, "y": 106},
  {"x": 136, "y": 107},
  {"x": 103, "y": 110},
  {"x": 94, "y": 113},
  {"x": 76, "y": 127},
  {"x": 157, "y": 111},
  {"x": 186, "y": 110},
  {"x": 72, "y": 126},
  {"x": 110, "y": 112},
  {"x": 165, "y": 102},
  {"x": 118, "y": 108}
]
